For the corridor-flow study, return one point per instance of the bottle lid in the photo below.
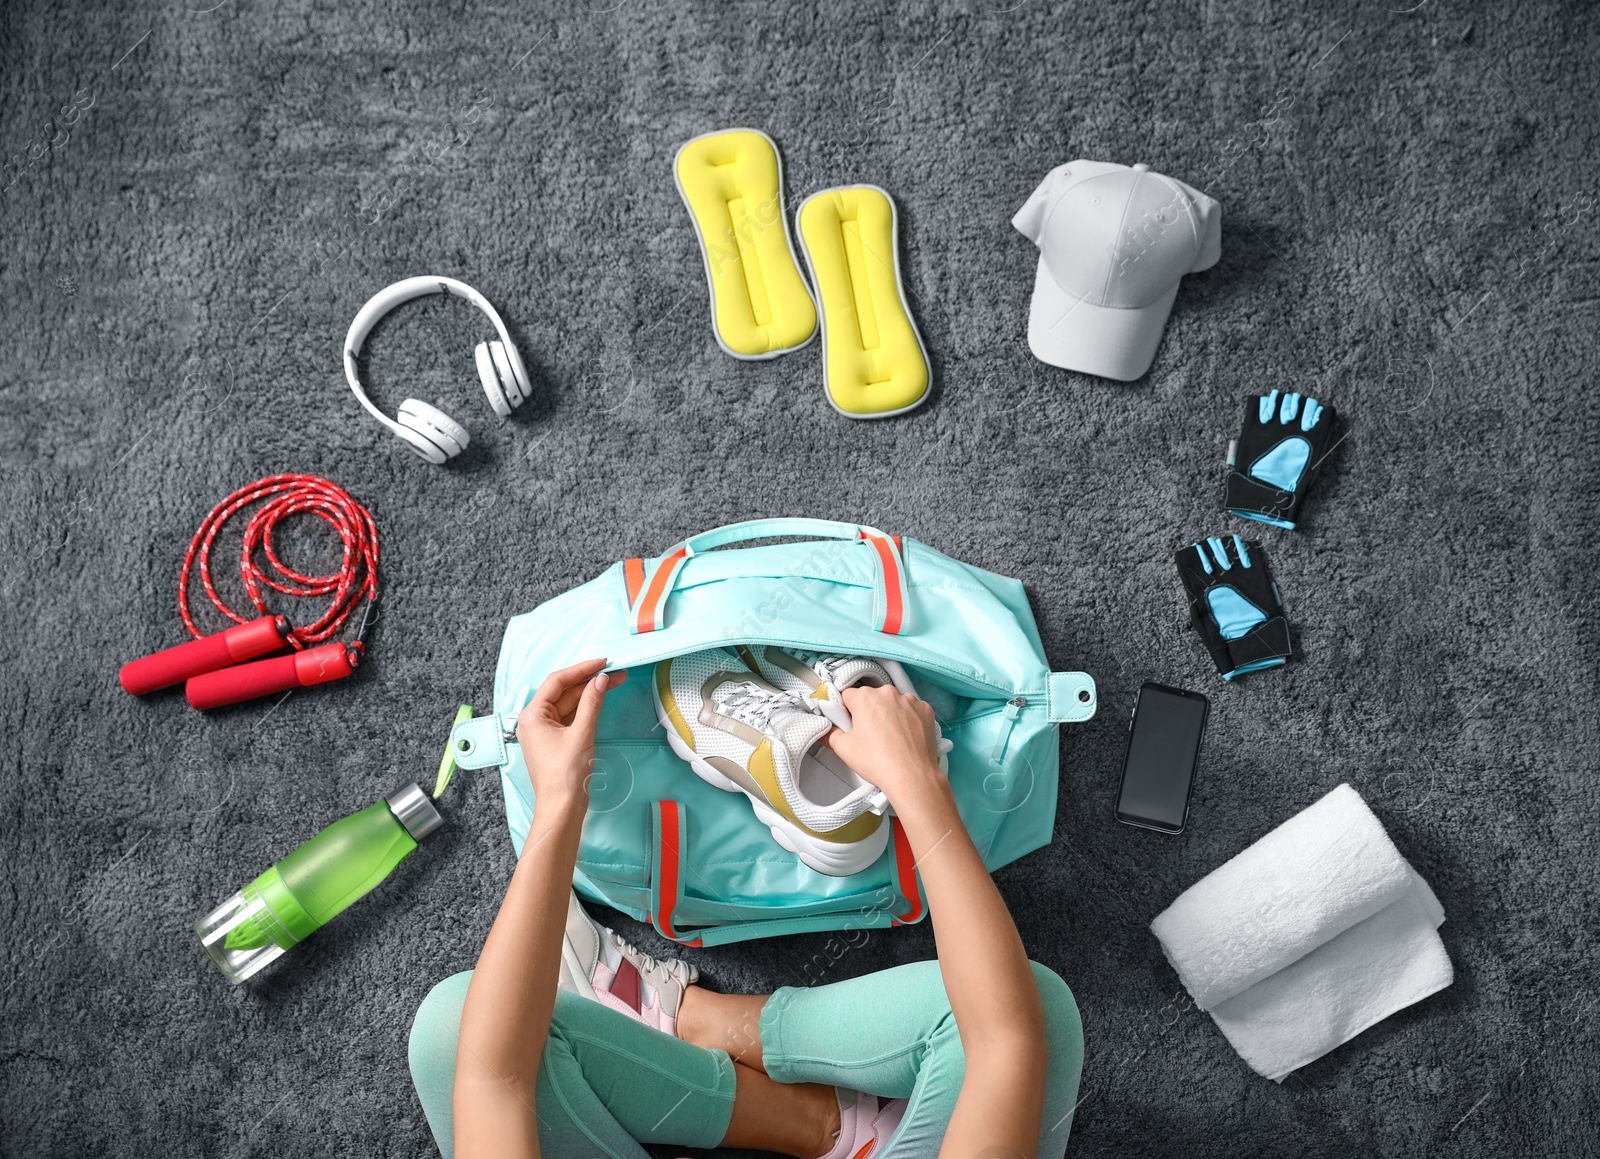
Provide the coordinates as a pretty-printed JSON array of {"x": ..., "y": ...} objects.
[{"x": 413, "y": 810}]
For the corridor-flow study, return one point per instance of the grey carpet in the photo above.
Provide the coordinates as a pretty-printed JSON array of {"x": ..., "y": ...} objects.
[{"x": 1408, "y": 232}]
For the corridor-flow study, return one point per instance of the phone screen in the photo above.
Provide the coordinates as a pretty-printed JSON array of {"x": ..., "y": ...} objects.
[{"x": 1163, "y": 748}]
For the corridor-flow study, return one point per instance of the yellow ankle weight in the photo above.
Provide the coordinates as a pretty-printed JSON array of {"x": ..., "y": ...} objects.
[
  {"x": 873, "y": 358},
  {"x": 732, "y": 183}
]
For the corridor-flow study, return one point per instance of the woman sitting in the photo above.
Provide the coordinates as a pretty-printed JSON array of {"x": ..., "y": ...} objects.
[{"x": 975, "y": 1055}]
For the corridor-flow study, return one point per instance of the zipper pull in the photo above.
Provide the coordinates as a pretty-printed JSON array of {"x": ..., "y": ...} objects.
[
  {"x": 508, "y": 724},
  {"x": 1009, "y": 714}
]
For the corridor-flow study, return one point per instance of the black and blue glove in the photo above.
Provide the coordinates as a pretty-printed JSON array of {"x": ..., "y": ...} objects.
[
  {"x": 1234, "y": 605},
  {"x": 1274, "y": 460}
]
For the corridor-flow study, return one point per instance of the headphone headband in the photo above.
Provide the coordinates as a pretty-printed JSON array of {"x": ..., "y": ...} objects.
[
  {"x": 386, "y": 300},
  {"x": 389, "y": 297}
]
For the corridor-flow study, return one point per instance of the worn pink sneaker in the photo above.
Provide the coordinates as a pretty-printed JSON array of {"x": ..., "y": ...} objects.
[
  {"x": 866, "y": 1124},
  {"x": 596, "y": 963}
]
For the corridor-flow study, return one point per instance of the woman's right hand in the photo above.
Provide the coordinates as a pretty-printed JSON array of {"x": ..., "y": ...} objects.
[
  {"x": 993, "y": 995},
  {"x": 892, "y": 742}
]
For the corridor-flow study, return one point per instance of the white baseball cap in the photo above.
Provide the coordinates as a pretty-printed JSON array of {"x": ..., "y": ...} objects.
[{"x": 1113, "y": 243}]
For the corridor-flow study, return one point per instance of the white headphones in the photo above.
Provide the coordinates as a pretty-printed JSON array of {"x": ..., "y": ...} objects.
[{"x": 431, "y": 433}]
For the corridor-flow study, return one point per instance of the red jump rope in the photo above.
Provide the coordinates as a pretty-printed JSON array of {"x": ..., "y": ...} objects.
[{"x": 214, "y": 666}]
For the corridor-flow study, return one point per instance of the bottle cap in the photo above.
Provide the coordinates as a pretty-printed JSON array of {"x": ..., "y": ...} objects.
[{"x": 413, "y": 810}]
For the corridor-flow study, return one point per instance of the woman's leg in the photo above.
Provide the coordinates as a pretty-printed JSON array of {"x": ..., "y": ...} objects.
[
  {"x": 727, "y": 1022},
  {"x": 432, "y": 1053},
  {"x": 891, "y": 1034},
  {"x": 607, "y": 1083},
  {"x": 1063, "y": 1031}
]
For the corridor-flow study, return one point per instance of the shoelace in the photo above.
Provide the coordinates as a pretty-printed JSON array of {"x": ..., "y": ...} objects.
[
  {"x": 754, "y": 705},
  {"x": 827, "y": 667},
  {"x": 653, "y": 971}
]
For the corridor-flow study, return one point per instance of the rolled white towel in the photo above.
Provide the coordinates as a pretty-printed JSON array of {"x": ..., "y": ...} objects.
[
  {"x": 1309, "y": 936},
  {"x": 1313, "y": 877},
  {"x": 1345, "y": 985}
]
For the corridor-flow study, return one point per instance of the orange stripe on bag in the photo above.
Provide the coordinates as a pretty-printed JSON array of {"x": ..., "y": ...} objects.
[
  {"x": 646, "y": 619},
  {"x": 893, "y": 611},
  {"x": 670, "y": 856},
  {"x": 905, "y": 872},
  {"x": 633, "y": 576}
]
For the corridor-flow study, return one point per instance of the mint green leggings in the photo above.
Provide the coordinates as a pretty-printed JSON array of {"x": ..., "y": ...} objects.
[{"x": 608, "y": 1083}]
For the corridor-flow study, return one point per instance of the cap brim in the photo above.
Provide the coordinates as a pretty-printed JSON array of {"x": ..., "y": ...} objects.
[{"x": 1113, "y": 343}]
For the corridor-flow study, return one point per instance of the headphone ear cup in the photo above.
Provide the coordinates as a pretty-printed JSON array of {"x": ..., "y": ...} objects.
[
  {"x": 489, "y": 375},
  {"x": 432, "y": 424},
  {"x": 422, "y": 445},
  {"x": 508, "y": 378},
  {"x": 519, "y": 373}
]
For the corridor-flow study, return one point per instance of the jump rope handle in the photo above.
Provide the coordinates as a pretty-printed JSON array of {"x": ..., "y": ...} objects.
[
  {"x": 233, "y": 646},
  {"x": 319, "y": 665}
]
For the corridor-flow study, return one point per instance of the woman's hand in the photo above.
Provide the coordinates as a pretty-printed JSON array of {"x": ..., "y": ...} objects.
[
  {"x": 556, "y": 732},
  {"x": 985, "y": 970},
  {"x": 891, "y": 742},
  {"x": 505, "y": 1022}
]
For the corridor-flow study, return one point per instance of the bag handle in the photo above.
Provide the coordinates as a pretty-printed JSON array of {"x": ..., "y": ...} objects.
[
  {"x": 772, "y": 528},
  {"x": 669, "y": 840},
  {"x": 669, "y": 836},
  {"x": 906, "y": 878},
  {"x": 647, "y": 588},
  {"x": 780, "y": 927}
]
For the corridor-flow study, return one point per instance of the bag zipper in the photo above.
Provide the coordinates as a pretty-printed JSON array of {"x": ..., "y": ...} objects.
[
  {"x": 1015, "y": 702},
  {"x": 994, "y": 691},
  {"x": 1009, "y": 715}
]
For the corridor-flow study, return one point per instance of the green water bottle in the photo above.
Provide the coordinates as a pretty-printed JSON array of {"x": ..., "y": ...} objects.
[{"x": 315, "y": 884}]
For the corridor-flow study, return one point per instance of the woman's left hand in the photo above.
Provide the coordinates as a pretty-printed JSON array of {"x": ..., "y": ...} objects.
[{"x": 556, "y": 732}]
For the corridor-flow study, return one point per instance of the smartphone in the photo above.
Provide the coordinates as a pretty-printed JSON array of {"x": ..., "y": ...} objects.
[{"x": 1163, "y": 750}]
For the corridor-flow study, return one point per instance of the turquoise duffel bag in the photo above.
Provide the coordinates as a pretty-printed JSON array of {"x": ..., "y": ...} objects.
[{"x": 663, "y": 846}]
